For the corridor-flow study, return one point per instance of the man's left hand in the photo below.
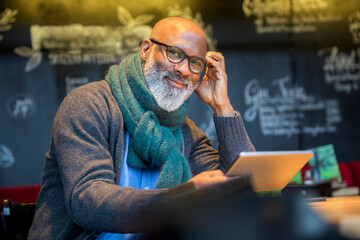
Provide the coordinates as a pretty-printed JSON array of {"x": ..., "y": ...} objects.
[
  {"x": 213, "y": 87},
  {"x": 208, "y": 178}
]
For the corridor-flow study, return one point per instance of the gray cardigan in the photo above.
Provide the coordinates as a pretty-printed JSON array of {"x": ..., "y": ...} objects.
[{"x": 80, "y": 192}]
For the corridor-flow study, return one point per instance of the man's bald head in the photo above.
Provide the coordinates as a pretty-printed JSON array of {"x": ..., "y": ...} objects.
[{"x": 177, "y": 30}]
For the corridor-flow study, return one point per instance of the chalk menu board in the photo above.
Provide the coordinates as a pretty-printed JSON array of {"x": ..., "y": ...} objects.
[
  {"x": 293, "y": 68},
  {"x": 295, "y": 74}
]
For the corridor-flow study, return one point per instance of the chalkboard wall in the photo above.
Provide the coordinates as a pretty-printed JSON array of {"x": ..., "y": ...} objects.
[{"x": 293, "y": 68}]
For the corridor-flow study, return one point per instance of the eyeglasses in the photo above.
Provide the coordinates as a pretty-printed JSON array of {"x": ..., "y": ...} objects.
[{"x": 176, "y": 55}]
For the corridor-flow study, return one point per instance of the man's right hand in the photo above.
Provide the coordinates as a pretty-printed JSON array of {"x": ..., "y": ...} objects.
[{"x": 208, "y": 178}]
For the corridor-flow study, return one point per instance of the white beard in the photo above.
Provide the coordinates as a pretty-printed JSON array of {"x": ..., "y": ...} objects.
[{"x": 166, "y": 96}]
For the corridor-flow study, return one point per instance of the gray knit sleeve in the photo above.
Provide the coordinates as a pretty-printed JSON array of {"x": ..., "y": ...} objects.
[
  {"x": 81, "y": 137},
  {"x": 232, "y": 139}
]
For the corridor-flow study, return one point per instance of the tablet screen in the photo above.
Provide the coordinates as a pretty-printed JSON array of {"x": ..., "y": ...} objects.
[{"x": 269, "y": 170}]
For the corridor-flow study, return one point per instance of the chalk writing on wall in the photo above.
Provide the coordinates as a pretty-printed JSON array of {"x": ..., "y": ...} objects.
[
  {"x": 282, "y": 109},
  {"x": 6, "y": 157},
  {"x": 341, "y": 69},
  {"x": 283, "y": 16},
  {"x": 21, "y": 106},
  {"x": 6, "y": 18},
  {"x": 78, "y": 44},
  {"x": 354, "y": 26}
]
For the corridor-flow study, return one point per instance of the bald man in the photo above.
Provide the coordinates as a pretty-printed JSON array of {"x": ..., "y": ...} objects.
[{"x": 119, "y": 143}]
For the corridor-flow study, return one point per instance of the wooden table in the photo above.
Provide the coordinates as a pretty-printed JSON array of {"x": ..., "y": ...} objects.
[{"x": 344, "y": 212}]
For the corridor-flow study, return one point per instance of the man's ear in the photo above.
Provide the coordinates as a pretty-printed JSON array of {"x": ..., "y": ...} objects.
[{"x": 145, "y": 49}]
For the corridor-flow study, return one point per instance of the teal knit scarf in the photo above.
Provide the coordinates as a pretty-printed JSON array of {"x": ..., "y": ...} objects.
[{"x": 155, "y": 134}]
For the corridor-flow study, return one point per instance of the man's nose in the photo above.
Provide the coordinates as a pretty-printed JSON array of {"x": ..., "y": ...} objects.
[{"x": 183, "y": 68}]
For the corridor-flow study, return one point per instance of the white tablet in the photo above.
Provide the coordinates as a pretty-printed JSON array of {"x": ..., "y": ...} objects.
[{"x": 269, "y": 170}]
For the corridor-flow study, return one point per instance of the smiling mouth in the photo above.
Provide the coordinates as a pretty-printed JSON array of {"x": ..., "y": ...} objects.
[{"x": 176, "y": 83}]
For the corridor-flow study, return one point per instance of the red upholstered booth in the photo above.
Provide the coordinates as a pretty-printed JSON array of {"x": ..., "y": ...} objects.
[
  {"x": 20, "y": 194},
  {"x": 355, "y": 171},
  {"x": 346, "y": 174}
]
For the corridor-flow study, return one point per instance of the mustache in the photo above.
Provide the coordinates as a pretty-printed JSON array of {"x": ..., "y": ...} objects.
[
  {"x": 176, "y": 77},
  {"x": 165, "y": 73}
]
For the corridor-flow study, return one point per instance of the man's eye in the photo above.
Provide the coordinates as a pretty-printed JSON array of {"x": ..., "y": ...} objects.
[
  {"x": 196, "y": 63},
  {"x": 174, "y": 54}
]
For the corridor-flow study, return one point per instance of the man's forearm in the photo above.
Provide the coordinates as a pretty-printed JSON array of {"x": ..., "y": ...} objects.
[{"x": 232, "y": 139}]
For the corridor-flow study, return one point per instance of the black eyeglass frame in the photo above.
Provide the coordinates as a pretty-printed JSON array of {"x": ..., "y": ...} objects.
[{"x": 184, "y": 57}]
